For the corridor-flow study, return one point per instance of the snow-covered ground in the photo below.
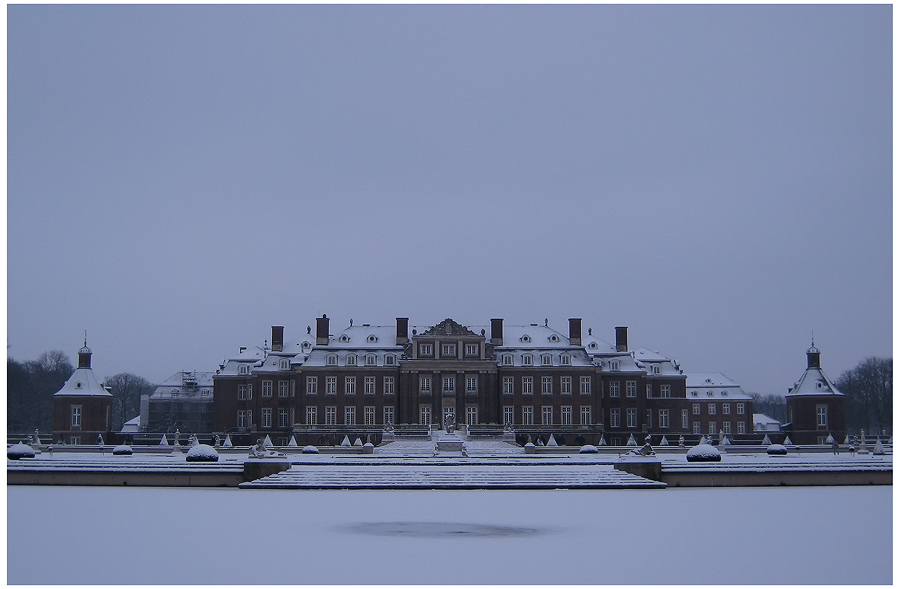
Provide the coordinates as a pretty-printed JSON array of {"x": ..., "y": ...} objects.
[{"x": 769, "y": 535}]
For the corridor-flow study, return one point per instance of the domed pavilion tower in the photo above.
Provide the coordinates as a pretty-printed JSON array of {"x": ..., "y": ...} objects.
[
  {"x": 82, "y": 408},
  {"x": 815, "y": 406}
]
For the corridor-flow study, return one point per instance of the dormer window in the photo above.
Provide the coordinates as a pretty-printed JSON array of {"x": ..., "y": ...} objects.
[
  {"x": 331, "y": 360},
  {"x": 425, "y": 350},
  {"x": 345, "y": 338},
  {"x": 565, "y": 359},
  {"x": 370, "y": 359},
  {"x": 709, "y": 393},
  {"x": 285, "y": 364},
  {"x": 351, "y": 360},
  {"x": 693, "y": 393},
  {"x": 554, "y": 338},
  {"x": 525, "y": 338},
  {"x": 614, "y": 365},
  {"x": 592, "y": 345},
  {"x": 389, "y": 360},
  {"x": 527, "y": 359},
  {"x": 243, "y": 369},
  {"x": 507, "y": 359},
  {"x": 305, "y": 345},
  {"x": 546, "y": 359},
  {"x": 372, "y": 339},
  {"x": 656, "y": 370}
]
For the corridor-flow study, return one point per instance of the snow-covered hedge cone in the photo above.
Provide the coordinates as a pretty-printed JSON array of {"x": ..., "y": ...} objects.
[
  {"x": 776, "y": 450},
  {"x": 309, "y": 450},
  {"x": 704, "y": 453},
  {"x": 202, "y": 453},
  {"x": 19, "y": 450},
  {"x": 588, "y": 449},
  {"x": 123, "y": 450}
]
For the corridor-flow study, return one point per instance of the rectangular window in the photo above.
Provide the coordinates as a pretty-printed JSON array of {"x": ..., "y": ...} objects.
[
  {"x": 527, "y": 386},
  {"x": 631, "y": 417},
  {"x": 471, "y": 349},
  {"x": 330, "y": 415},
  {"x": 389, "y": 414},
  {"x": 726, "y": 427},
  {"x": 350, "y": 385},
  {"x": 76, "y": 417},
  {"x": 585, "y": 415},
  {"x": 649, "y": 419},
  {"x": 267, "y": 388},
  {"x": 310, "y": 416},
  {"x": 471, "y": 384},
  {"x": 351, "y": 359},
  {"x": 631, "y": 388},
  {"x": 507, "y": 385},
  {"x": 546, "y": 385},
  {"x": 711, "y": 408},
  {"x": 614, "y": 389},
  {"x": 284, "y": 388},
  {"x": 242, "y": 392},
  {"x": 740, "y": 408},
  {"x": 448, "y": 350},
  {"x": 242, "y": 418},
  {"x": 425, "y": 384},
  {"x": 282, "y": 418},
  {"x": 741, "y": 427},
  {"x": 330, "y": 385},
  {"x": 471, "y": 415},
  {"x": 369, "y": 415},
  {"x": 508, "y": 414},
  {"x": 349, "y": 415},
  {"x": 425, "y": 415},
  {"x": 388, "y": 385},
  {"x": 696, "y": 427},
  {"x": 821, "y": 415},
  {"x": 565, "y": 415},
  {"x": 369, "y": 385},
  {"x": 695, "y": 407},
  {"x": 613, "y": 418},
  {"x": 425, "y": 350},
  {"x": 726, "y": 408},
  {"x": 312, "y": 385},
  {"x": 712, "y": 427},
  {"x": 665, "y": 391},
  {"x": 547, "y": 415},
  {"x": 267, "y": 417},
  {"x": 649, "y": 390},
  {"x": 585, "y": 385},
  {"x": 546, "y": 360},
  {"x": 565, "y": 385},
  {"x": 663, "y": 418},
  {"x": 684, "y": 419},
  {"x": 527, "y": 415},
  {"x": 565, "y": 360},
  {"x": 371, "y": 359},
  {"x": 449, "y": 384}
]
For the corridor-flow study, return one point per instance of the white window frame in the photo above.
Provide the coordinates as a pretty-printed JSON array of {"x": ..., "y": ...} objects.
[
  {"x": 330, "y": 415},
  {"x": 312, "y": 385},
  {"x": 821, "y": 415},
  {"x": 426, "y": 350},
  {"x": 369, "y": 385},
  {"x": 565, "y": 360},
  {"x": 349, "y": 415},
  {"x": 684, "y": 419},
  {"x": 614, "y": 389},
  {"x": 547, "y": 415},
  {"x": 740, "y": 408},
  {"x": 330, "y": 385},
  {"x": 388, "y": 385},
  {"x": 585, "y": 385},
  {"x": 527, "y": 415},
  {"x": 448, "y": 350},
  {"x": 527, "y": 360},
  {"x": 388, "y": 414},
  {"x": 565, "y": 385},
  {"x": 425, "y": 384},
  {"x": 349, "y": 385},
  {"x": 663, "y": 419},
  {"x": 508, "y": 385},
  {"x": 471, "y": 416},
  {"x": 448, "y": 384},
  {"x": 546, "y": 360},
  {"x": 284, "y": 388},
  {"x": 471, "y": 350},
  {"x": 350, "y": 360},
  {"x": 631, "y": 389},
  {"x": 369, "y": 415},
  {"x": 741, "y": 427},
  {"x": 267, "y": 417},
  {"x": 696, "y": 428},
  {"x": 546, "y": 385},
  {"x": 527, "y": 385},
  {"x": 695, "y": 407},
  {"x": 283, "y": 418},
  {"x": 614, "y": 417},
  {"x": 585, "y": 415},
  {"x": 711, "y": 409},
  {"x": 509, "y": 414},
  {"x": 665, "y": 391},
  {"x": 390, "y": 360},
  {"x": 631, "y": 417},
  {"x": 331, "y": 360},
  {"x": 425, "y": 415},
  {"x": 371, "y": 360},
  {"x": 267, "y": 388},
  {"x": 242, "y": 418},
  {"x": 311, "y": 415},
  {"x": 726, "y": 408},
  {"x": 506, "y": 359},
  {"x": 76, "y": 414},
  {"x": 565, "y": 415},
  {"x": 471, "y": 384}
]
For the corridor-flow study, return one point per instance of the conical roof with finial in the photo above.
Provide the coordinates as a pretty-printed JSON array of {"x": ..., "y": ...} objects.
[
  {"x": 814, "y": 382},
  {"x": 83, "y": 382}
]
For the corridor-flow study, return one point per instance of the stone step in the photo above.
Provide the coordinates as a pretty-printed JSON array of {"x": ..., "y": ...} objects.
[{"x": 452, "y": 477}]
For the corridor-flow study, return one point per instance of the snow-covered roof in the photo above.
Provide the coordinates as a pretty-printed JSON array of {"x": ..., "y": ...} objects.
[
  {"x": 764, "y": 419},
  {"x": 814, "y": 383},
  {"x": 185, "y": 384},
  {"x": 713, "y": 386},
  {"x": 532, "y": 336},
  {"x": 365, "y": 336},
  {"x": 83, "y": 383},
  {"x": 131, "y": 426}
]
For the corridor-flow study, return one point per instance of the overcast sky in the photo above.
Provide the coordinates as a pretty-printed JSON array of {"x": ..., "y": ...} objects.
[{"x": 716, "y": 178}]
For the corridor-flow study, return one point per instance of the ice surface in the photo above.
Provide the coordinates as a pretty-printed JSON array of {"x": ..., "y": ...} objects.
[{"x": 456, "y": 537}]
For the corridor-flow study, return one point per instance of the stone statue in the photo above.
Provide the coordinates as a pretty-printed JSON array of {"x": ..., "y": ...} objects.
[{"x": 449, "y": 422}]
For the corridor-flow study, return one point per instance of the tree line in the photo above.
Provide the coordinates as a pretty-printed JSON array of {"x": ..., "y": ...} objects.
[{"x": 31, "y": 384}]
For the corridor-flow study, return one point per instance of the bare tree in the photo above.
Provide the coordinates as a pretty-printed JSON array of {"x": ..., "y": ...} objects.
[
  {"x": 869, "y": 389},
  {"x": 127, "y": 389}
]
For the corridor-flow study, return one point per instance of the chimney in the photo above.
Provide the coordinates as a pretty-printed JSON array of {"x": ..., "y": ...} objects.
[
  {"x": 322, "y": 330},
  {"x": 277, "y": 338},
  {"x": 575, "y": 332},
  {"x": 497, "y": 332},
  {"x": 621, "y": 339},
  {"x": 402, "y": 331}
]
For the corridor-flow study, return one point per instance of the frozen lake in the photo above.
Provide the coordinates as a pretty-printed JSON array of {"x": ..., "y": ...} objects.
[{"x": 763, "y": 535}]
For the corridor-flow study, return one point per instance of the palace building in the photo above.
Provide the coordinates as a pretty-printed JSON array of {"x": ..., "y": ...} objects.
[{"x": 532, "y": 378}]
